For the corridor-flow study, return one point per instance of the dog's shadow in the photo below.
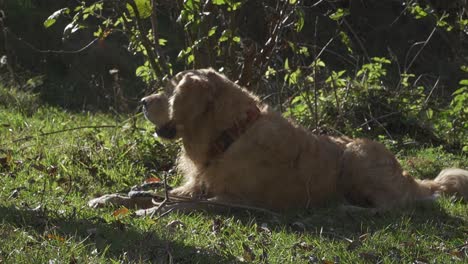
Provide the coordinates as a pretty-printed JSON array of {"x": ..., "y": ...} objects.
[
  {"x": 331, "y": 223},
  {"x": 118, "y": 240},
  {"x": 336, "y": 222}
]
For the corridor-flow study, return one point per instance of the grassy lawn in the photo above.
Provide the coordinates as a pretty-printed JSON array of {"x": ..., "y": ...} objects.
[{"x": 47, "y": 179}]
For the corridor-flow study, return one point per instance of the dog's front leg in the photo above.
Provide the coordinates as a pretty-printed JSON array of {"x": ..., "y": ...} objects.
[{"x": 190, "y": 189}]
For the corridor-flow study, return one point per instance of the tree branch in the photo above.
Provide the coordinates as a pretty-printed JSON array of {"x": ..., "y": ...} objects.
[{"x": 145, "y": 41}]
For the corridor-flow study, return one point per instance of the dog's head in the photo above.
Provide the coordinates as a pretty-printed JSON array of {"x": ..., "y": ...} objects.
[
  {"x": 156, "y": 110},
  {"x": 188, "y": 99},
  {"x": 198, "y": 104}
]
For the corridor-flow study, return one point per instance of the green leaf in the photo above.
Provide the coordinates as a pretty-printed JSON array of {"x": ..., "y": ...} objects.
[
  {"x": 464, "y": 82},
  {"x": 294, "y": 76},
  {"x": 53, "y": 18},
  {"x": 318, "y": 63},
  {"x": 270, "y": 72},
  {"x": 465, "y": 148},
  {"x": 381, "y": 60},
  {"x": 304, "y": 51},
  {"x": 190, "y": 59},
  {"x": 339, "y": 14},
  {"x": 49, "y": 22},
  {"x": 219, "y": 2},
  {"x": 418, "y": 11},
  {"x": 143, "y": 6},
  {"x": 225, "y": 35},
  {"x": 286, "y": 64},
  {"x": 429, "y": 113},
  {"x": 212, "y": 31},
  {"x": 233, "y": 6},
  {"x": 189, "y": 5},
  {"x": 300, "y": 20},
  {"x": 142, "y": 71},
  {"x": 460, "y": 91},
  {"x": 162, "y": 42}
]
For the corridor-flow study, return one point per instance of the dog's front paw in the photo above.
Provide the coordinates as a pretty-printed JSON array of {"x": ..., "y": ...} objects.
[{"x": 188, "y": 191}]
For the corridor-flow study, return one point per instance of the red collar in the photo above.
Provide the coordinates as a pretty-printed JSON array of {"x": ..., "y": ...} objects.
[{"x": 228, "y": 136}]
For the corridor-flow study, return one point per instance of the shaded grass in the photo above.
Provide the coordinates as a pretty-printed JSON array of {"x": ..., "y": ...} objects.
[{"x": 48, "y": 179}]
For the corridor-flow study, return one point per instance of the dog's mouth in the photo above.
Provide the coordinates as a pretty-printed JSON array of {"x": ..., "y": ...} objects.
[{"x": 167, "y": 131}]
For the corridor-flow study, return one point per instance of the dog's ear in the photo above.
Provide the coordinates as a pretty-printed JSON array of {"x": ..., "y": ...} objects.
[
  {"x": 192, "y": 97},
  {"x": 198, "y": 82},
  {"x": 174, "y": 81}
]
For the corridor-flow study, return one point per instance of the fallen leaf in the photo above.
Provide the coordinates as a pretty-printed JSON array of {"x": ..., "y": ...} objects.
[
  {"x": 370, "y": 257},
  {"x": 353, "y": 245},
  {"x": 55, "y": 237},
  {"x": 175, "y": 224},
  {"x": 52, "y": 170},
  {"x": 121, "y": 211},
  {"x": 5, "y": 161},
  {"x": 457, "y": 253},
  {"x": 303, "y": 245},
  {"x": 264, "y": 229},
  {"x": 407, "y": 244},
  {"x": 39, "y": 167},
  {"x": 248, "y": 254},
  {"x": 216, "y": 225},
  {"x": 152, "y": 179}
]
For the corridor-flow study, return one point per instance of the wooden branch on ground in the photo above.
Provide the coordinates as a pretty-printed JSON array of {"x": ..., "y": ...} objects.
[
  {"x": 62, "y": 131},
  {"x": 185, "y": 204}
]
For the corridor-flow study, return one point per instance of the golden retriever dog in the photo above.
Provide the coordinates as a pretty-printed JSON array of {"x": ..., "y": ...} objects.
[{"x": 238, "y": 150}]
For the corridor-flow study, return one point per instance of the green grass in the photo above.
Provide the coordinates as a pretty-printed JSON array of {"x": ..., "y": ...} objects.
[{"x": 46, "y": 181}]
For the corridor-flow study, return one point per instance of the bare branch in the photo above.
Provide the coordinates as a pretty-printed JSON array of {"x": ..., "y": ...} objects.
[
  {"x": 145, "y": 41},
  {"x": 32, "y": 47}
]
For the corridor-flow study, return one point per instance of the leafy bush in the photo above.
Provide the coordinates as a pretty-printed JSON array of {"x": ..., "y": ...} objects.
[{"x": 336, "y": 67}]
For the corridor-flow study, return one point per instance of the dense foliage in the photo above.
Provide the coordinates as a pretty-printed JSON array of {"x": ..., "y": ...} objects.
[
  {"x": 395, "y": 70},
  {"x": 390, "y": 69}
]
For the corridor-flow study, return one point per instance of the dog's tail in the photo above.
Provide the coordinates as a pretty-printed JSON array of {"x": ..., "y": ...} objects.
[{"x": 452, "y": 182}]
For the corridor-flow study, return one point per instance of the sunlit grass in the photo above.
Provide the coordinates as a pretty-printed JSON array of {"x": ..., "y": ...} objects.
[{"x": 47, "y": 180}]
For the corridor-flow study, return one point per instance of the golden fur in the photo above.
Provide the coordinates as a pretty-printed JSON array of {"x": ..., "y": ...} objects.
[{"x": 275, "y": 163}]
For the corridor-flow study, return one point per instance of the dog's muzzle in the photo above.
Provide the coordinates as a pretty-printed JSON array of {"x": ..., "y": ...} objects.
[{"x": 144, "y": 107}]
